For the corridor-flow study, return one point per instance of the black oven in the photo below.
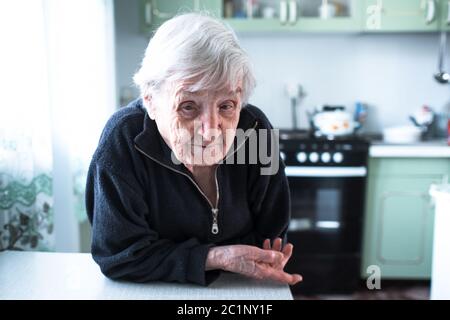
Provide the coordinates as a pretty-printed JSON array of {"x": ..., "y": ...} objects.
[{"x": 327, "y": 180}]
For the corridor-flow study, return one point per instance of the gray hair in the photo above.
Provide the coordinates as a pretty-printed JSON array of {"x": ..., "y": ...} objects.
[{"x": 197, "y": 49}]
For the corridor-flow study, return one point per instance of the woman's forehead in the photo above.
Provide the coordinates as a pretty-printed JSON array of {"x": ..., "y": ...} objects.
[
  {"x": 205, "y": 93},
  {"x": 185, "y": 91}
]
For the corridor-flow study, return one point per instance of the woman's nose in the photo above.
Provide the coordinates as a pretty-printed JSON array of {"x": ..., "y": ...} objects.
[{"x": 210, "y": 127}]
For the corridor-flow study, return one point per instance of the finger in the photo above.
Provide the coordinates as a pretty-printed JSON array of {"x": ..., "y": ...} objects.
[
  {"x": 297, "y": 278},
  {"x": 266, "y": 244},
  {"x": 293, "y": 279},
  {"x": 278, "y": 275},
  {"x": 277, "y": 243},
  {"x": 287, "y": 251},
  {"x": 271, "y": 257}
]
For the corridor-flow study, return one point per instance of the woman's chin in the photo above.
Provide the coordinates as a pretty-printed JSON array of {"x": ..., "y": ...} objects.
[
  {"x": 200, "y": 156},
  {"x": 203, "y": 159}
]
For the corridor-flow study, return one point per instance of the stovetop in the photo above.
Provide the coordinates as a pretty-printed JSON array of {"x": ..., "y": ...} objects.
[
  {"x": 300, "y": 147},
  {"x": 309, "y": 136}
]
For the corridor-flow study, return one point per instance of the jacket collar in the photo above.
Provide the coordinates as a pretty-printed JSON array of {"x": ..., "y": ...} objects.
[{"x": 150, "y": 142}]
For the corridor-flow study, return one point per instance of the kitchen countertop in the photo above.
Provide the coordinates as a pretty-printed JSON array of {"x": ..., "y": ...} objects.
[
  {"x": 61, "y": 276},
  {"x": 423, "y": 149},
  {"x": 436, "y": 148}
]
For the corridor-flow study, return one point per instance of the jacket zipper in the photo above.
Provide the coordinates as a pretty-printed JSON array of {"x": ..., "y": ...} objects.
[{"x": 214, "y": 210}]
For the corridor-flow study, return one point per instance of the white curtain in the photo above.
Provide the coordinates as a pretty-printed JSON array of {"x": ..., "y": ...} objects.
[{"x": 57, "y": 85}]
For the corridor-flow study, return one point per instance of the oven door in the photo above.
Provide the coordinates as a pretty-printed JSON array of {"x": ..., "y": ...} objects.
[{"x": 327, "y": 205}]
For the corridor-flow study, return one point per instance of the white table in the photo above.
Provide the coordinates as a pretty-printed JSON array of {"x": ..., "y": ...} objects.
[{"x": 44, "y": 275}]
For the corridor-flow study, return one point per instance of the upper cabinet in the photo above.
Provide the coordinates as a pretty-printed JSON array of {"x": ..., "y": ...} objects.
[
  {"x": 294, "y": 15},
  {"x": 154, "y": 12},
  {"x": 308, "y": 15},
  {"x": 444, "y": 15},
  {"x": 402, "y": 15}
]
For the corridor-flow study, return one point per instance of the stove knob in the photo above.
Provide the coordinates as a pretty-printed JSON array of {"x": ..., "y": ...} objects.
[
  {"x": 314, "y": 157},
  {"x": 301, "y": 157},
  {"x": 326, "y": 157},
  {"x": 283, "y": 155},
  {"x": 338, "y": 157}
]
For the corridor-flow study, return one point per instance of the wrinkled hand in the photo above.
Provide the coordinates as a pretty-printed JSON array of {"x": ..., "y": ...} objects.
[{"x": 252, "y": 262}]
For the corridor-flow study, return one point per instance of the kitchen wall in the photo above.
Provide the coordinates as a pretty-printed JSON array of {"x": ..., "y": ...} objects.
[{"x": 393, "y": 73}]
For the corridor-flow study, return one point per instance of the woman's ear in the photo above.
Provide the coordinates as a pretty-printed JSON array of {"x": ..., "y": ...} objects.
[{"x": 149, "y": 105}]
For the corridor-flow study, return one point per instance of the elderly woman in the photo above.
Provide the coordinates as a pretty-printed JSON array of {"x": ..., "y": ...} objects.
[{"x": 163, "y": 199}]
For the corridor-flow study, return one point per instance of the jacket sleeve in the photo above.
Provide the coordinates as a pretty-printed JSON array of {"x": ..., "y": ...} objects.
[
  {"x": 268, "y": 194},
  {"x": 124, "y": 245},
  {"x": 269, "y": 202}
]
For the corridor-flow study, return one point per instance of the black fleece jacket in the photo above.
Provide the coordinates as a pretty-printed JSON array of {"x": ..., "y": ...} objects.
[{"x": 149, "y": 219}]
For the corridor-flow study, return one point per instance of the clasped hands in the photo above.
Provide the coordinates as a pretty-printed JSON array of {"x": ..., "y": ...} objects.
[{"x": 254, "y": 262}]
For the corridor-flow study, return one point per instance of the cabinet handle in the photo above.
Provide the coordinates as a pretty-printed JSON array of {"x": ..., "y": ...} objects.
[
  {"x": 300, "y": 224},
  {"x": 283, "y": 11},
  {"x": 292, "y": 11},
  {"x": 160, "y": 14},
  {"x": 431, "y": 11},
  {"x": 148, "y": 13}
]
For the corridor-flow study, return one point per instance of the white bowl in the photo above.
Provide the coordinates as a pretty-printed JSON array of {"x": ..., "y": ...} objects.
[{"x": 402, "y": 134}]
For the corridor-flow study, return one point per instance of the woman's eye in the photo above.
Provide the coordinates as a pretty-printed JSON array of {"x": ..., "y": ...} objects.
[
  {"x": 227, "y": 107},
  {"x": 188, "y": 109}
]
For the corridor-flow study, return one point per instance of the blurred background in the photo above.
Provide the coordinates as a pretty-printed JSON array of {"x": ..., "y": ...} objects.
[{"x": 358, "y": 88}]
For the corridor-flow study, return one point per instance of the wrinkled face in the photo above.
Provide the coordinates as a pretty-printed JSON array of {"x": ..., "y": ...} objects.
[{"x": 199, "y": 126}]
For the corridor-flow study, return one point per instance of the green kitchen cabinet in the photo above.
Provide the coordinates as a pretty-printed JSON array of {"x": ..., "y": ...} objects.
[
  {"x": 155, "y": 12},
  {"x": 398, "y": 227},
  {"x": 304, "y": 15},
  {"x": 402, "y": 15},
  {"x": 300, "y": 16},
  {"x": 444, "y": 15}
]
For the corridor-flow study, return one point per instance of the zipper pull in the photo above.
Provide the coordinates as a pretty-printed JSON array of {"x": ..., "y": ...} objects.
[{"x": 215, "y": 226}]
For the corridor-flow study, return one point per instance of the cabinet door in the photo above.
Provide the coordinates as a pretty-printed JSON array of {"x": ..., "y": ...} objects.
[
  {"x": 294, "y": 15},
  {"x": 399, "y": 226},
  {"x": 347, "y": 16},
  {"x": 155, "y": 12},
  {"x": 444, "y": 14},
  {"x": 402, "y": 15}
]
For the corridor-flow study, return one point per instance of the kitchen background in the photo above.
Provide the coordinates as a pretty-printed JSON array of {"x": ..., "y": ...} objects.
[
  {"x": 391, "y": 72},
  {"x": 334, "y": 60}
]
